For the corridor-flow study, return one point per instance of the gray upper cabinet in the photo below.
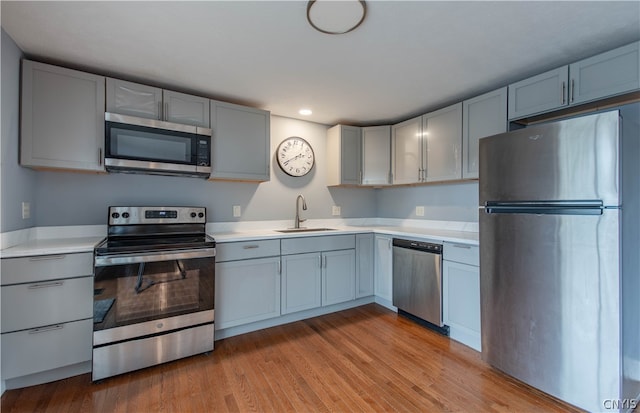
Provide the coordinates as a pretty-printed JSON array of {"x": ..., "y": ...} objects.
[
  {"x": 428, "y": 148},
  {"x": 344, "y": 155},
  {"x": 482, "y": 116},
  {"x": 442, "y": 144},
  {"x": 134, "y": 99},
  {"x": 376, "y": 155},
  {"x": 539, "y": 94},
  {"x": 608, "y": 74},
  {"x": 62, "y": 118},
  {"x": 406, "y": 151},
  {"x": 240, "y": 142},
  {"x": 143, "y": 101},
  {"x": 186, "y": 109}
]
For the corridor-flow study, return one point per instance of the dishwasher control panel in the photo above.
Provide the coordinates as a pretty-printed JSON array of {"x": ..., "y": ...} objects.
[{"x": 418, "y": 245}]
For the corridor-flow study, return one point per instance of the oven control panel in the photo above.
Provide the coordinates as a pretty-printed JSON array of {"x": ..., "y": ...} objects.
[{"x": 157, "y": 215}]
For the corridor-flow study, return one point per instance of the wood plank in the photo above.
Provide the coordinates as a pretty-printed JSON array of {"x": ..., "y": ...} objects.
[{"x": 362, "y": 359}]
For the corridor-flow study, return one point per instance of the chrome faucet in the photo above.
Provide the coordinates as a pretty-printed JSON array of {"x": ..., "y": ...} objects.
[{"x": 304, "y": 208}]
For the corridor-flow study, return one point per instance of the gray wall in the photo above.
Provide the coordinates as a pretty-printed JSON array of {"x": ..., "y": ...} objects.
[
  {"x": 17, "y": 184},
  {"x": 450, "y": 202},
  {"x": 63, "y": 198},
  {"x": 82, "y": 199}
]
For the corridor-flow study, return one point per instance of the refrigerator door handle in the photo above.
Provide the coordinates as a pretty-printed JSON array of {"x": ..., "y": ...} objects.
[{"x": 545, "y": 207}]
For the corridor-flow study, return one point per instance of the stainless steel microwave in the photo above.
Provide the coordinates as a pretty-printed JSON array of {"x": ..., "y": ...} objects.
[{"x": 139, "y": 145}]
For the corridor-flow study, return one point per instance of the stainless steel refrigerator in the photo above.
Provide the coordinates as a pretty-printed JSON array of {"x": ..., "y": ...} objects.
[{"x": 560, "y": 257}]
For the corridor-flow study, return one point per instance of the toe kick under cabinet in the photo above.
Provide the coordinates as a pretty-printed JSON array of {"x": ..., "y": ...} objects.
[
  {"x": 47, "y": 317},
  {"x": 461, "y": 293}
]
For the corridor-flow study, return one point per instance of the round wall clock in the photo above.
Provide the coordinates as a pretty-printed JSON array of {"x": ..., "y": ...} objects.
[{"x": 295, "y": 156}]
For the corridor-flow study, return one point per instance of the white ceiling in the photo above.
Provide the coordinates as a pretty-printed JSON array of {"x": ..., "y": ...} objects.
[{"x": 405, "y": 59}]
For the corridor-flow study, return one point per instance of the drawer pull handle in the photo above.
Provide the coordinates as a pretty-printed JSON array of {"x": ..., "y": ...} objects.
[
  {"x": 47, "y": 257},
  {"x": 46, "y": 285},
  {"x": 251, "y": 247},
  {"x": 466, "y": 247},
  {"x": 45, "y": 329}
]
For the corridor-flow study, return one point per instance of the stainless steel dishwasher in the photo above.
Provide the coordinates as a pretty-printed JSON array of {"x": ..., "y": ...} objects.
[{"x": 417, "y": 282}]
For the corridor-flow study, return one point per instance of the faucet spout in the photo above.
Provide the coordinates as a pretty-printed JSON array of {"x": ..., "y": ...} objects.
[{"x": 304, "y": 208}]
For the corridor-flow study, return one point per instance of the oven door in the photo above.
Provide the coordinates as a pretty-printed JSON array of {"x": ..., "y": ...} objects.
[{"x": 153, "y": 293}]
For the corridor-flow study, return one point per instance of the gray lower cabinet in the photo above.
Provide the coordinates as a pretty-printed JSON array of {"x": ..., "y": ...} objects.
[
  {"x": 47, "y": 315},
  {"x": 240, "y": 143},
  {"x": 317, "y": 271},
  {"x": 383, "y": 267},
  {"x": 301, "y": 282},
  {"x": 62, "y": 118},
  {"x": 608, "y": 74},
  {"x": 482, "y": 116},
  {"x": 461, "y": 293},
  {"x": 247, "y": 282},
  {"x": 364, "y": 265},
  {"x": 144, "y": 101}
]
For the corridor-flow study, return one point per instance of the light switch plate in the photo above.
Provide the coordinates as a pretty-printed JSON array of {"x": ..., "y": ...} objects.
[
  {"x": 419, "y": 211},
  {"x": 26, "y": 210},
  {"x": 335, "y": 210},
  {"x": 237, "y": 211}
]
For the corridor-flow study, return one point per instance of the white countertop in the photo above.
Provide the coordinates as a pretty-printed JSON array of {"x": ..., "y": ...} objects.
[
  {"x": 68, "y": 240},
  {"x": 426, "y": 234}
]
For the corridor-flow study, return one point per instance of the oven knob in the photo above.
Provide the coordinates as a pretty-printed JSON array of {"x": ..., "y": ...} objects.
[
  {"x": 125, "y": 215},
  {"x": 201, "y": 214},
  {"x": 193, "y": 215},
  {"x": 115, "y": 215}
]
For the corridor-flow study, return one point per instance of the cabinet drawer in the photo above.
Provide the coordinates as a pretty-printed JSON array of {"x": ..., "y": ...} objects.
[
  {"x": 46, "y": 267},
  {"x": 247, "y": 249},
  {"x": 463, "y": 253},
  {"x": 43, "y": 303},
  {"x": 316, "y": 244},
  {"x": 38, "y": 350}
]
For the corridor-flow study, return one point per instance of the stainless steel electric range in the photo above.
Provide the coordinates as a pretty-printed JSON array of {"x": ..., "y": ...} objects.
[{"x": 153, "y": 289}]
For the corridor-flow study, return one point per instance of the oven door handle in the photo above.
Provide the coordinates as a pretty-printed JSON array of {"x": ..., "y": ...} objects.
[{"x": 136, "y": 258}]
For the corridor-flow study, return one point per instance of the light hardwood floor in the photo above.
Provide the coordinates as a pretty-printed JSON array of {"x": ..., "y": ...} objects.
[{"x": 363, "y": 359}]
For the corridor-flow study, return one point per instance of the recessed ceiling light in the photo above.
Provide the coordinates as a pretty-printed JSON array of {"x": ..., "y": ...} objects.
[{"x": 305, "y": 112}]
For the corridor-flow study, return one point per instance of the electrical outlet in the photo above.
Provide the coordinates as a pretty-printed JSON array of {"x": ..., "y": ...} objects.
[
  {"x": 419, "y": 211},
  {"x": 26, "y": 210},
  {"x": 237, "y": 211},
  {"x": 335, "y": 210}
]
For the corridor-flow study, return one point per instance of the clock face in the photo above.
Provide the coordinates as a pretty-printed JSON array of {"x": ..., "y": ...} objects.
[{"x": 295, "y": 156}]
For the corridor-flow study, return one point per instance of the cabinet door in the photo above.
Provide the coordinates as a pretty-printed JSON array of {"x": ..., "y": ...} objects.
[
  {"x": 384, "y": 268},
  {"x": 607, "y": 74},
  {"x": 376, "y": 155},
  {"x": 364, "y": 265},
  {"x": 247, "y": 291},
  {"x": 482, "y": 116},
  {"x": 134, "y": 99},
  {"x": 185, "y": 109},
  {"x": 539, "y": 94},
  {"x": 44, "y": 303},
  {"x": 62, "y": 118},
  {"x": 240, "y": 143},
  {"x": 442, "y": 142},
  {"x": 406, "y": 148},
  {"x": 38, "y": 350},
  {"x": 344, "y": 155},
  {"x": 461, "y": 302},
  {"x": 301, "y": 282},
  {"x": 338, "y": 276},
  {"x": 351, "y": 160}
]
